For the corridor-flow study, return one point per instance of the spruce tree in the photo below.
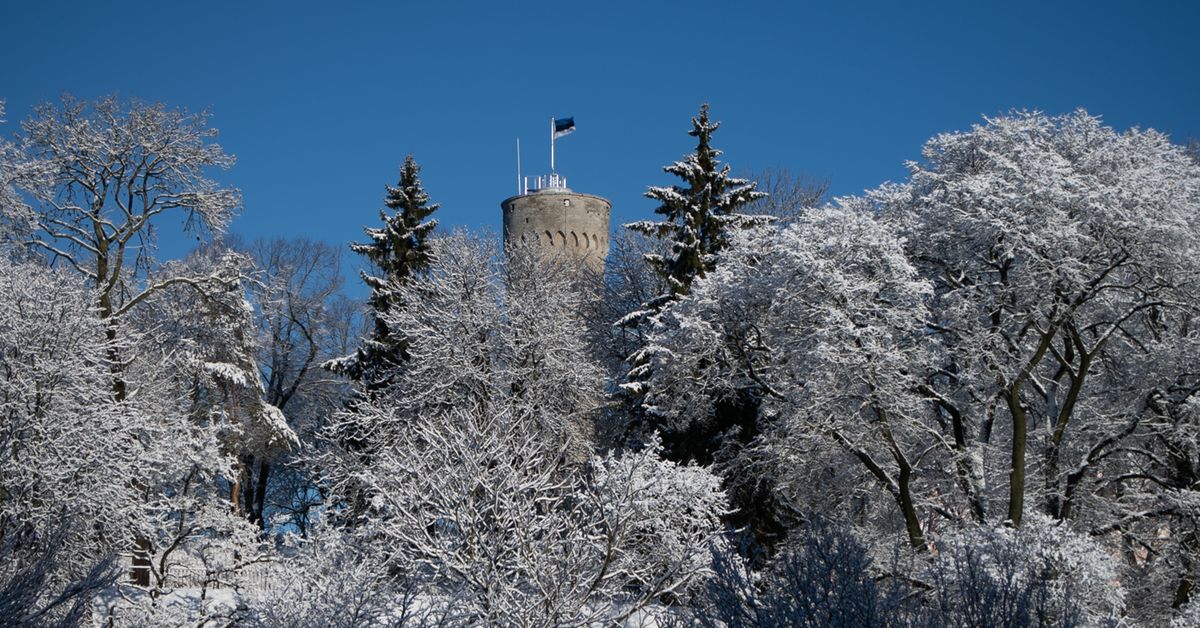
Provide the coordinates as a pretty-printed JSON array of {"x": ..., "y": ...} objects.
[
  {"x": 699, "y": 215},
  {"x": 398, "y": 250},
  {"x": 700, "y": 218}
]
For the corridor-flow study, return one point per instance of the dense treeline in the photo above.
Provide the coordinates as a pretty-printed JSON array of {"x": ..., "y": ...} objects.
[{"x": 966, "y": 399}]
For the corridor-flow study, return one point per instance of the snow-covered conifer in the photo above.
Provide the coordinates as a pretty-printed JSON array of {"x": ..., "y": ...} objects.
[
  {"x": 398, "y": 250},
  {"x": 699, "y": 216}
]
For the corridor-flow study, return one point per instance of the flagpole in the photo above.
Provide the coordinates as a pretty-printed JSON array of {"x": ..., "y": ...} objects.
[
  {"x": 551, "y": 144},
  {"x": 519, "y": 191}
]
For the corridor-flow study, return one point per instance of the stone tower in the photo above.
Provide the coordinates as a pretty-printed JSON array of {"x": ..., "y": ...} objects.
[{"x": 558, "y": 219}]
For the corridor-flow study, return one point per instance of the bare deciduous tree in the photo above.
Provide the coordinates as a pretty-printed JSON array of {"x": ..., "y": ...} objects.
[
  {"x": 300, "y": 324},
  {"x": 788, "y": 194}
]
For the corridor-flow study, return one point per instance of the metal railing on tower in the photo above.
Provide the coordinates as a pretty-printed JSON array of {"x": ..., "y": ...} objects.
[{"x": 542, "y": 182}]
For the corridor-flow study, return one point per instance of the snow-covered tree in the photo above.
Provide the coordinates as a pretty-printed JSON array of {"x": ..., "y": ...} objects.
[
  {"x": 700, "y": 218},
  {"x": 477, "y": 468},
  {"x": 301, "y": 319},
  {"x": 1063, "y": 258},
  {"x": 212, "y": 338},
  {"x": 505, "y": 528},
  {"x": 1056, "y": 323},
  {"x": 103, "y": 471},
  {"x": 701, "y": 215},
  {"x": 106, "y": 175},
  {"x": 66, "y": 501},
  {"x": 16, "y": 218},
  {"x": 660, "y": 512},
  {"x": 111, "y": 169},
  {"x": 196, "y": 366},
  {"x": 483, "y": 336},
  {"x": 818, "y": 329},
  {"x": 397, "y": 250},
  {"x": 1061, "y": 251}
]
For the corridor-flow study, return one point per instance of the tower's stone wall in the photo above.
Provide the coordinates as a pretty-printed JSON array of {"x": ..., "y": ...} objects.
[{"x": 561, "y": 221}]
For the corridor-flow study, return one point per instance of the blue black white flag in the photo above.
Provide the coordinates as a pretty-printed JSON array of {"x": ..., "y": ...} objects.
[{"x": 563, "y": 126}]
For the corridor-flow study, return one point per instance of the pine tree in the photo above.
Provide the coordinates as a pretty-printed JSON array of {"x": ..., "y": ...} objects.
[
  {"x": 699, "y": 217},
  {"x": 399, "y": 250}
]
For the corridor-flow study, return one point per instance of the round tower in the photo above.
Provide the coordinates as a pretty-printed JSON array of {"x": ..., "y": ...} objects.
[{"x": 559, "y": 220}]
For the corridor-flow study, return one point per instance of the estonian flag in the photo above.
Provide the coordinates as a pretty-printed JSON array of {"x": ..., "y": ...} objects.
[{"x": 563, "y": 126}]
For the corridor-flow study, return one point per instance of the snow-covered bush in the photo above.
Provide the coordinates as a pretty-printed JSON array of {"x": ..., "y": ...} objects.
[
  {"x": 38, "y": 589},
  {"x": 667, "y": 513},
  {"x": 823, "y": 577},
  {"x": 332, "y": 581},
  {"x": 500, "y": 526},
  {"x": 1042, "y": 573}
]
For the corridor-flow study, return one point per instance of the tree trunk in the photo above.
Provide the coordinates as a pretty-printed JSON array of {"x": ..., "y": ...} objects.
[
  {"x": 1187, "y": 579},
  {"x": 260, "y": 495},
  {"x": 140, "y": 564},
  {"x": 911, "y": 522},
  {"x": 245, "y": 480},
  {"x": 235, "y": 492},
  {"x": 1054, "y": 496},
  {"x": 139, "y": 572},
  {"x": 1016, "y": 478},
  {"x": 1020, "y": 423},
  {"x": 963, "y": 464}
]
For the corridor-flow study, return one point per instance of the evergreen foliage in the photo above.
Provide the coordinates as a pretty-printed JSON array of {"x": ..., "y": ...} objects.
[
  {"x": 399, "y": 250},
  {"x": 701, "y": 215}
]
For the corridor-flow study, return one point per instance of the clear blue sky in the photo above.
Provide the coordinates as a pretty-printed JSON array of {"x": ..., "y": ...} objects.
[{"x": 321, "y": 101}]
